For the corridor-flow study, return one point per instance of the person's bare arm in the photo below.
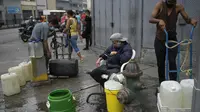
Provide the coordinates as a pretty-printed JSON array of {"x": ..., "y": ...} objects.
[
  {"x": 185, "y": 16},
  {"x": 69, "y": 22},
  {"x": 155, "y": 13},
  {"x": 46, "y": 46},
  {"x": 68, "y": 25},
  {"x": 79, "y": 28}
]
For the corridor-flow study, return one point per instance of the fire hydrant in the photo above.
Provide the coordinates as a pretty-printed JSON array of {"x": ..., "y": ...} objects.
[{"x": 127, "y": 96}]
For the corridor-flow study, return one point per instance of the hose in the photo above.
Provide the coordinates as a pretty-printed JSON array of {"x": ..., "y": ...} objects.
[{"x": 185, "y": 42}]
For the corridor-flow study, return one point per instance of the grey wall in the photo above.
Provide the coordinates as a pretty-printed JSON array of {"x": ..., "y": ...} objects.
[{"x": 131, "y": 18}]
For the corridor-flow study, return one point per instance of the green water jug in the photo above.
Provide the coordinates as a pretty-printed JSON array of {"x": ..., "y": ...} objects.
[{"x": 61, "y": 101}]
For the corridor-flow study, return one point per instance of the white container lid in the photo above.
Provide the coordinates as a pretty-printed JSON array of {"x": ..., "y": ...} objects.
[{"x": 112, "y": 85}]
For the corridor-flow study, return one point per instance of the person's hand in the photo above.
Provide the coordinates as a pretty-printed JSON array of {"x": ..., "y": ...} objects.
[
  {"x": 194, "y": 22},
  {"x": 98, "y": 62},
  {"x": 64, "y": 31},
  {"x": 113, "y": 53},
  {"x": 49, "y": 54},
  {"x": 162, "y": 24}
]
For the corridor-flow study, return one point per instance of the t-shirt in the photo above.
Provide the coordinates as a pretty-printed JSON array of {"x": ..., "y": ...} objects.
[
  {"x": 40, "y": 31},
  {"x": 78, "y": 18}
]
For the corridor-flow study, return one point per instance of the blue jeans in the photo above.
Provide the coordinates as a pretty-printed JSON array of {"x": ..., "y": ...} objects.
[{"x": 73, "y": 41}]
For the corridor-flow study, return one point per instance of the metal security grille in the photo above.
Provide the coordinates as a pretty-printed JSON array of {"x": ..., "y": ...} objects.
[{"x": 124, "y": 16}]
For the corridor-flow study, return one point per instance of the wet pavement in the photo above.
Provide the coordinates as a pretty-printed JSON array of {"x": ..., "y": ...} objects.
[{"x": 33, "y": 98}]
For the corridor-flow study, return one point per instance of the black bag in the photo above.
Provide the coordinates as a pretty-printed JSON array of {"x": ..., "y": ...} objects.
[{"x": 62, "y": 67}]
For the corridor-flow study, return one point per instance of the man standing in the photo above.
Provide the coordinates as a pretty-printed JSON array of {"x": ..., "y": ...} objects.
[
  {"x": 87, "y": 30},
  {"x": 165, "y": 16},
  {"x": 40, "y": 34}
]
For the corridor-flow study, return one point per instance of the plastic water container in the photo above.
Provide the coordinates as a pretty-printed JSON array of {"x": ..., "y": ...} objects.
[
  {"x": 10, "y": 84},
  {"x": 111, "y": 89},
  {"x": 30, "y": 72},
  {"x": 35, "y": 49},
  {"x": 25, "y": 70},
  {"x": 171, "y": 94},
  {"x": 18, "y": 71},
  {"x": 187, "y": 87}
]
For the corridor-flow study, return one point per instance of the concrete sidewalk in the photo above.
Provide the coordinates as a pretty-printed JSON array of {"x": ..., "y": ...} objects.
[{"x": 33, "y": 99}]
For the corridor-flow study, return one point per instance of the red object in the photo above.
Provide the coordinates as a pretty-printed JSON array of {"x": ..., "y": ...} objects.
[
  {"x": 63, "y": 19},
  {"x": 83, "y": 16}
]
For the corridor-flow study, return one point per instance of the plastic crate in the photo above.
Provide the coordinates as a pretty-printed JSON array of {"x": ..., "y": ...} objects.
[{"x": 162, "y": 108}]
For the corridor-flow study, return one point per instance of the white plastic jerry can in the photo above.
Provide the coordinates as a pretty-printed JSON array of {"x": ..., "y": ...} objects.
[
  {"x": 187, "y": 86},
  {"x": 18, "y": 71},
  {"x": 35, "y": 49},
  {"x": 30, "y": 71},
  {"x": 171, "y": 94},
  {"x": 25, "y": 70},
  {"x": 10, "y": 84}
]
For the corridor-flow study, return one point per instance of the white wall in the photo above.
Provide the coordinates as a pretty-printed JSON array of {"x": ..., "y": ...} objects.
[{"x": 89, "y": 5}]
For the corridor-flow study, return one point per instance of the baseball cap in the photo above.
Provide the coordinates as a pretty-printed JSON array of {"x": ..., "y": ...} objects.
[{"x": 118, "y": 37}]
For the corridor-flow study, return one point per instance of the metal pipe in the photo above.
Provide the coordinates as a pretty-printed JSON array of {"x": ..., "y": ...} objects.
[
  {"x": 191, "y": 37},
  {"x": 166, "y": 58},
  {"x": 178, "y": 64}
]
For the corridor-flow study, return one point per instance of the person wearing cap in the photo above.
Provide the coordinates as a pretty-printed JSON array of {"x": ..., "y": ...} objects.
[
  {"x": 115, "y": 55},
  {"x": 165, "y": 16}
]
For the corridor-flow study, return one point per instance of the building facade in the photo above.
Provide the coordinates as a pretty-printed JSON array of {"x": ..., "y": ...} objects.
[
  {"x": 41, "y": 5},
  {"x": 71, "y": 4},
  {"x": 10, "y": 11},
  {"x": 28, "y": 8}
]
